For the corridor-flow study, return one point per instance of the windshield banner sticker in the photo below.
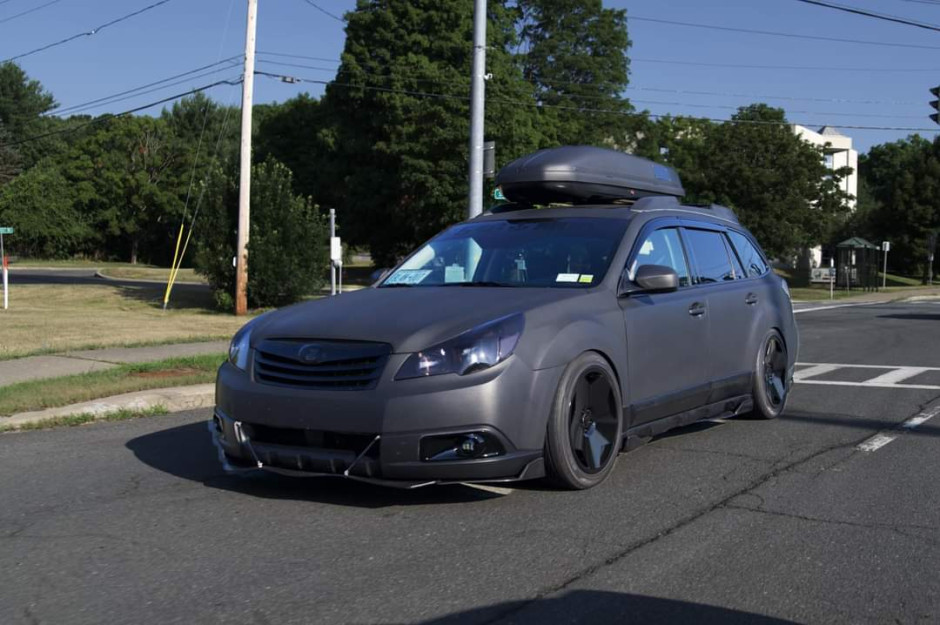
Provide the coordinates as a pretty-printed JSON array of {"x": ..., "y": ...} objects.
[
  {"x": 567, "y": 277},
  {"x": 408, "y": 276}
]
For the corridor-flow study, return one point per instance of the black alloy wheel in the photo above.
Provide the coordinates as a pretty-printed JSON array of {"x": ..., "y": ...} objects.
[
  {"x": 771, "y": 388},
  {"x": 585, "y": 429}
]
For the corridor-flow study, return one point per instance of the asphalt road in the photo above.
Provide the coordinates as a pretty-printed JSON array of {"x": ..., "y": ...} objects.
[
  {"x": 738, "y": 521},
  {"x": 85, "y": 276}
]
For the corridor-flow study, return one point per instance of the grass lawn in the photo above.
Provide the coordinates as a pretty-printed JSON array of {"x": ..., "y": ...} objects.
[
  {"x": 81, "y": 419},
  {"x": 49, "y": 318},
  {"x": 72, "y": 389}
]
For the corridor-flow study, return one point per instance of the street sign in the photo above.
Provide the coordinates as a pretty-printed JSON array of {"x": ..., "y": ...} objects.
[
  {"x": 886, "y": 246},
  {"x": 6, "y": 230}
]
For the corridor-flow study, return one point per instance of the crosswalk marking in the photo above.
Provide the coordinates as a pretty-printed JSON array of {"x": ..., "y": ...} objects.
[{"x": 882, "y": 376}]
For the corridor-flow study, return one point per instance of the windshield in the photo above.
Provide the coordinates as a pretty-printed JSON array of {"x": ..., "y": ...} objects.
[{"x": 563, "y": 253}]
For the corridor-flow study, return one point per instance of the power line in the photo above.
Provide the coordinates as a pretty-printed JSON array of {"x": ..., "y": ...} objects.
[
  {"x": 33, "y": 10},
  {"x": 580, "y": 108},
  {"x": 372, "y": 75},
  {"x": 324, "y": 11},
  {"x": 89, "y": 33},
  {"x": 872, "y": 14},
  {"x": 111, "y": 116},
  {"x": 774, "y": 33},
  {"x": 801, "y": 68},
  {"x": 137, "y": 91}
]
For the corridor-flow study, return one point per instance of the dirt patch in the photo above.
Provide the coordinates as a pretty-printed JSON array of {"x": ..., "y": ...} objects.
[{"x": 167, "y": 373}]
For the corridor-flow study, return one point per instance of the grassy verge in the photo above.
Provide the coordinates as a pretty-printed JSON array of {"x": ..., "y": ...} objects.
[
  {"x": 49, "y": 318},
  {"x": 72, "y": 389},
  {"x": 81, "y": 419}
]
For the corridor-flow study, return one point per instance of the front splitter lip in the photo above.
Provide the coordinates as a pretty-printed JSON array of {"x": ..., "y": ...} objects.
[{"x": 534, "y": 469}]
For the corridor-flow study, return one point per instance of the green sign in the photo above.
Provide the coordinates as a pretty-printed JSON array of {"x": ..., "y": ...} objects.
[
  {"x": 6, "y": 230},
  {"x": 498, "y": 194}
]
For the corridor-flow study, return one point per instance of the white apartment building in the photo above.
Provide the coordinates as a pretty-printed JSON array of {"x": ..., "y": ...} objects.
[{"x": 838, "y": 153}]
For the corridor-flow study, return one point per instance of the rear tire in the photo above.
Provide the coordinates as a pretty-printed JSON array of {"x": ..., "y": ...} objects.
[
  {"x": 771, "y": 386},
  {"x": 586, "y": 425}
]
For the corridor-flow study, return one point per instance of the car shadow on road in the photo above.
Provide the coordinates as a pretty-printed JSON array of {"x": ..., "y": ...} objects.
[
  {"x": 187, "y": 452},
  {"x": 599, "y": 607}
]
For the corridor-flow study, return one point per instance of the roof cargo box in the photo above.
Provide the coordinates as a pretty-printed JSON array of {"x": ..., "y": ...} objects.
[{"x": 585, "y": 175}]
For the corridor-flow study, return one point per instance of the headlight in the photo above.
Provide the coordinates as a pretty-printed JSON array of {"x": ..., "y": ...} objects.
[
  {"x": 785, "y": 287},
  {"x": 238, "y": 348},
  {"x": 474, "y": 350}
]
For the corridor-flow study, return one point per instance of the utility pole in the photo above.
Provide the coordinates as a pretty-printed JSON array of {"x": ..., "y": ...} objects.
[
  {"x": 244, "y": 190},
  {"x": 477, "y": 92}
]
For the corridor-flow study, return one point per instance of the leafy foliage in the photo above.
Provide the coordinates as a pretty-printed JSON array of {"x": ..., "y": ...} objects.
[
  {"x": 902, "y": 185},
  {"x": 287, "y": 252},
  {"x": 401, "y": 157},
  {"x": 22, "y": 101},
  {"x": 38, "y": 204},
  {"x": 575, "y": 53}
]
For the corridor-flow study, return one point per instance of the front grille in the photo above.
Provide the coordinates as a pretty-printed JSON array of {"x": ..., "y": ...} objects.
[
  {"x": 330, "y": 365},
  {"x": 316, "y": 451}
]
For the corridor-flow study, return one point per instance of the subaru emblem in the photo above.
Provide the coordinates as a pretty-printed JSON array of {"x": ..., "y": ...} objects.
[{"x": 310, "y": 353}]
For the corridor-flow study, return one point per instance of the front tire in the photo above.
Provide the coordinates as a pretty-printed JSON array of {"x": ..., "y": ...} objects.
[
  {"x": 586, "y": 426},
  {"x": 771, "y": 388}
]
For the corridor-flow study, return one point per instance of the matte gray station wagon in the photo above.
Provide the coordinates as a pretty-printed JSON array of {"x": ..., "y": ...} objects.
[{"x": 537, "y": 340}]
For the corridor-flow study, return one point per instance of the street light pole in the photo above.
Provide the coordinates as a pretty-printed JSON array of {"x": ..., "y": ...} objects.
[
  {"x": 244, "y": 190},
  {"x": 477, "y": 92}
]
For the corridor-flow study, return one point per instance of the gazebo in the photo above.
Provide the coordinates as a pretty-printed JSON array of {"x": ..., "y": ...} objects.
[{"x": 857, "y": 264}]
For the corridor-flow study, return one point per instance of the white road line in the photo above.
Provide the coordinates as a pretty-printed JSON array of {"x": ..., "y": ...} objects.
[
  {"x": 875, "y": 442},
  {"x": 814, "y": 370},
  {"x": 803, "y": 310},
  {"x": 846, "y": 366},
  {"x": 916, "y": 420},
  {"x": 497, "y": 490},
  {"x": 923, "y": 387},
  {"x": 896, "y": 376}
]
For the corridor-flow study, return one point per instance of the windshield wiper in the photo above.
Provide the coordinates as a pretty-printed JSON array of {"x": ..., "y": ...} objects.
[{"x": 399, "y": 285}]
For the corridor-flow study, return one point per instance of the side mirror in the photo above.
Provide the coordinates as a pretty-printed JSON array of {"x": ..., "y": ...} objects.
[
  {"x": 650, "y": 279},
  {"x": 379, "y": 274}
]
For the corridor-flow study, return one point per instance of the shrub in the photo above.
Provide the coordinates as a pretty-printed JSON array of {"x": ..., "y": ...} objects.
[{"x": 288, "y": 252}]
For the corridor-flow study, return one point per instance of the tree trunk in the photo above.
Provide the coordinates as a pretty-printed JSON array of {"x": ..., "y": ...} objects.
[{"x": 135, "y": 245}]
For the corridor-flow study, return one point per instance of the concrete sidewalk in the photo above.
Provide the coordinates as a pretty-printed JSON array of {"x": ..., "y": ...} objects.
[{"x": 72, "y": 363}]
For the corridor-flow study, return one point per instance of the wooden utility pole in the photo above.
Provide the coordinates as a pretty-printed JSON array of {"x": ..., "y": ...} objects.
[{"x": 244, "y": 191}]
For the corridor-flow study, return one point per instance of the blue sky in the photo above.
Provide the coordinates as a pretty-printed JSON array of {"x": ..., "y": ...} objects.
[{"x": 184, "y": 34}]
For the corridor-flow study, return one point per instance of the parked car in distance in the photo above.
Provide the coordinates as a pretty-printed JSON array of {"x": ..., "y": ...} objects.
[{"x": 535, "y": 340}]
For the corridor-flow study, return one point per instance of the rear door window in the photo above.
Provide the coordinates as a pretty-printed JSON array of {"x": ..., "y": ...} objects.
[
  {"x": 753, "y": 262},
  {"x": 663, "y": 247},
  {"x": 712, "y": 262}
]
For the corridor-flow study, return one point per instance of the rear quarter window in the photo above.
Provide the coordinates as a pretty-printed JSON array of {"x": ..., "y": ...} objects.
[{"x": 752, "y": 260}]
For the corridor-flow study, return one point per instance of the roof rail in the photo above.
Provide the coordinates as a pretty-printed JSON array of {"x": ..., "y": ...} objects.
[{"x": 671, "y": 203}]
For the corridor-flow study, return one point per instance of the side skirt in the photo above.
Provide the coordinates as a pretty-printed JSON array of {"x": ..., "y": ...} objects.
[{"x": 641, "y": 434}]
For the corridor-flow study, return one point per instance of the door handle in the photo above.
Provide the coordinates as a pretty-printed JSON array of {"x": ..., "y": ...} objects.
[
  {"x": 751, "y": 299},
  {"x": 697, "y": 309}
]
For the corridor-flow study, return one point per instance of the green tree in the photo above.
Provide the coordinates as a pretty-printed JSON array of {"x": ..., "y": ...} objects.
[
  {"x": 22, "y": 103},
  {"x": 9, "y": 158},
  {"x": 298, "y": 133},
  {"x": 903, "y": 179},
  {"x": 288, "y": 254},
  {"x": 399, "y": 112},
  {"x": 38, "y": 204},
  {"x": 575, "y": 53},
  {"x": 122, "y": 172},
  {"x": 777, "y": 183}
]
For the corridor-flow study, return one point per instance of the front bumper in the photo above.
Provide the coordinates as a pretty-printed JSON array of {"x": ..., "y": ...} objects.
[{"x": 376, "y": 435}]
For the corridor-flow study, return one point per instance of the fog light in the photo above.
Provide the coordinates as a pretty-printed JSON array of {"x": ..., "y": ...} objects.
[
  {"x": 465, "y": 446},
  {"x": 217, "y": 420}
]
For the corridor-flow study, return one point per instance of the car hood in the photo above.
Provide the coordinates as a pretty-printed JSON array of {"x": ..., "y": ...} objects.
[{"x": 409, "y": 319}]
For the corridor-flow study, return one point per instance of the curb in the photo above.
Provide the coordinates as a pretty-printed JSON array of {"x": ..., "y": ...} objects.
[
  {"x": 175, "y": 399},
  {"x": 102, "y": 276}
]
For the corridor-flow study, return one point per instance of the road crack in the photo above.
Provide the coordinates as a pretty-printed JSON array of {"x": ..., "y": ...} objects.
[{"x": 778, "y": 470}]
